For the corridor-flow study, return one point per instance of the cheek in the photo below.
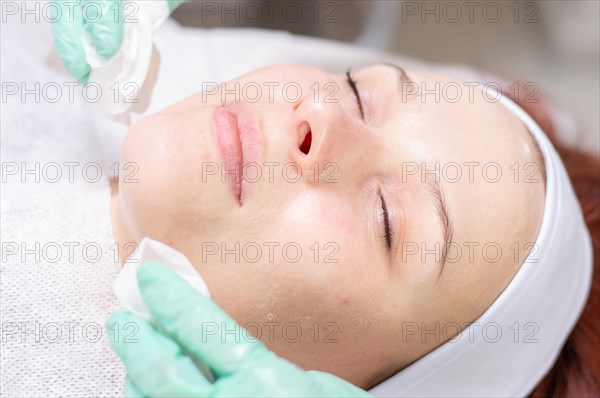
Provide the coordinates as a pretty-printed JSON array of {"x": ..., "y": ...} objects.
[
  {"x": 146, "y": 150},
  {"x": 344, "y": 222},
  {"x": 323, "y": 220},
  {"x": 160, "y": 185},
  {"x": 335, "y": 244},
  {"x": 322, "y": 214}
]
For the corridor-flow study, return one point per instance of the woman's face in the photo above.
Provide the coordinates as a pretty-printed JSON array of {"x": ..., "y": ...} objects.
[{"x": 335, "y": 247}]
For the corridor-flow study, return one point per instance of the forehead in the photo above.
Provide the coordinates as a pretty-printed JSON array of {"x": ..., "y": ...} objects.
[
  {"x": 480, "y": 151},
  {"x": 467, "y": 124}
]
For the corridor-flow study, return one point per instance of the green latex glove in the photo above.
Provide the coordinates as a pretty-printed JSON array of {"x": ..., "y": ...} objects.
[
  {"x": 160, "y": 365},
  {"x": 103, "y": 21},
  {"x": 173, "y": 4}
]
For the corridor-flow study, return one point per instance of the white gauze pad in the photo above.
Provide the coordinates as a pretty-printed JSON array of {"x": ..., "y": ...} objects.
[
  {"x": 120, "y": 78},
  {"x": 126, "y": 287}
]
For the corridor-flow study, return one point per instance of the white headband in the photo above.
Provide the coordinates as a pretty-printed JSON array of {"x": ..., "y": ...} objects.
[{"x": 535, "y": 313}]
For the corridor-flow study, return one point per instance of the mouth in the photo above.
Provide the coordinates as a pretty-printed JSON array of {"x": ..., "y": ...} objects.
[{"x": 238, "y": 140}]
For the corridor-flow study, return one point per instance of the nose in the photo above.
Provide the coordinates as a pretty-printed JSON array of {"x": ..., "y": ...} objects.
[{"x": 327, "y": 137}]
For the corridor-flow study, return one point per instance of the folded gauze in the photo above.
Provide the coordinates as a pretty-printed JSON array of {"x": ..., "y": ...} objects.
[
  {"x": 509, "y": 349},
  {"x": 126, "y": 287}
]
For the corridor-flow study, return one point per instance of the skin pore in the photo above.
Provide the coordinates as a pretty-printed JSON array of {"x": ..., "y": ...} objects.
[{"x": 333, "y": 260}]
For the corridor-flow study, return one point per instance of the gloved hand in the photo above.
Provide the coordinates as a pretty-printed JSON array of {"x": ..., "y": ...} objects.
[
  {"x": 160, "y": 365},
  {"x": 103, "y": 21}
]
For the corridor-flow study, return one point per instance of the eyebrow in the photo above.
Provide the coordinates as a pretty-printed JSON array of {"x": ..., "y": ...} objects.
[
  {"x": 434, "y": 187},
  {"x": 439, "y": 201},
  {"x": 402, "y": 76}
]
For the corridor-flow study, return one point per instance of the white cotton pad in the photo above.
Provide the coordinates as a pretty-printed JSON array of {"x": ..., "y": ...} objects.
[
  {"x": 126, "y": 287},
  {"x": 120, "y": 79}
]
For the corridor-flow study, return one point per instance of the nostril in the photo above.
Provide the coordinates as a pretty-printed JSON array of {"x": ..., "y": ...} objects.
[{"x": 305, "y": 146}]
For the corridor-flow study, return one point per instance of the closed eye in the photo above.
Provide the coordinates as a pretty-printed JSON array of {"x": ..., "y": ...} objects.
[
  {"x": 388, "y": 232},
  {"x": 352, "y": 84}
]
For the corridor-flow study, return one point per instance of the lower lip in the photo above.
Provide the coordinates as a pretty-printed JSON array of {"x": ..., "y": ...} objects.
[
  {"x": 239, "y": 141},
  {"x": 228, "y": 138}
]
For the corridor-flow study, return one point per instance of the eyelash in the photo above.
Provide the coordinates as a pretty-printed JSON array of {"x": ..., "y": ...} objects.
[
  {"x": 389, "y": 233},
  {"x": 352, "y": 83}
]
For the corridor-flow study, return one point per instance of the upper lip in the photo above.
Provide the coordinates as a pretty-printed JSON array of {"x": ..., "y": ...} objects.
[{"x": 239, "y": 141}]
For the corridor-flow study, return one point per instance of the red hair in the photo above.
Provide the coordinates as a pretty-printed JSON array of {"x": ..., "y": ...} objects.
[{"x": 576, "y": 373}]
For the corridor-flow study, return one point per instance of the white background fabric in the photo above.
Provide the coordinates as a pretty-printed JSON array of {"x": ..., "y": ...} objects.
[{"x": 40, "y": 296}]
